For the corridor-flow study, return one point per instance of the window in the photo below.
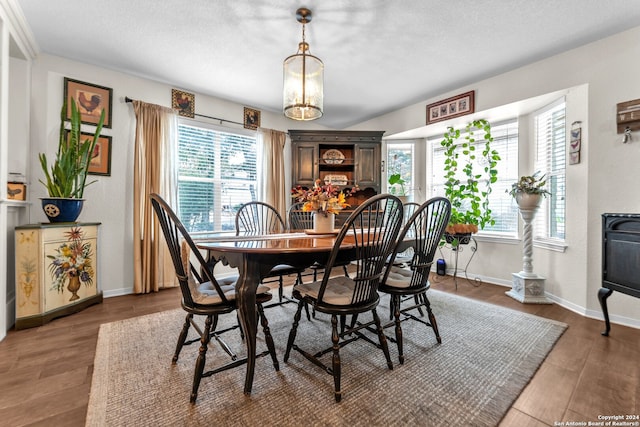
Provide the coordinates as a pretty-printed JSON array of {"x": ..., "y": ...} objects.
[
  {"x": 216, "y": 174},
  {"x": 504, "y": 211},
  {"x": 400, "y": 161},
  {"x": 550, "y": 137}
]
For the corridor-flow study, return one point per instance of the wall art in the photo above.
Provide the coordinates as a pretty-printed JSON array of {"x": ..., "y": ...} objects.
[
  {"x": 184, "y": 102},
  {"x": 91, "y": 100},
  {"x": 251, "y": 118},
  {"x": 449, "y": 108}
]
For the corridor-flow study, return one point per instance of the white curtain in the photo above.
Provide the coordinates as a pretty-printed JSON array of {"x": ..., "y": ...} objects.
[{"x": 271, "y": 181}]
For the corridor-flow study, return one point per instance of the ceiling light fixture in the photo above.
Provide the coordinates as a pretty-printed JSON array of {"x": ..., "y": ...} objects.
[{"x": 303, "y": 92}]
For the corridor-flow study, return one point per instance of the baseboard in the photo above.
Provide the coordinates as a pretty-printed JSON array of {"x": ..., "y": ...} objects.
[{"x": 592, "y": 314}]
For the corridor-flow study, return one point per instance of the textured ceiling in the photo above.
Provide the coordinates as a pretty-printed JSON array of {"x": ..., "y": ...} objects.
[{"x": 379, "y": 55}]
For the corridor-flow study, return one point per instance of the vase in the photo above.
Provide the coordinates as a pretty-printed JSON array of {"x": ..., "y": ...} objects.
[
  {"x": 528, "y": 201},
  {"x": 74, "y": 287},
  {"x": 59, "y": 209},
  {"x": 323, "y": 222}
]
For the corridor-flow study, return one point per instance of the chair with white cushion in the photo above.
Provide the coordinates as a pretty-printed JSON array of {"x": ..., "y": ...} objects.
[
  {"x": 423, "y": 230},
  {"x": 202, "y": 295}
]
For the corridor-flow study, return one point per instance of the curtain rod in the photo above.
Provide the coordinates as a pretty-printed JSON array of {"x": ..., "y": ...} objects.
[{"x": 127, "y": 99}]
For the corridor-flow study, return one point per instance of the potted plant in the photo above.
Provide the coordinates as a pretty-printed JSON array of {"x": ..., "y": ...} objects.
[
  {"x": 66, "y": 179},
  {"x": 469, "y": 175},
  {"x": 529, "y": 190}
]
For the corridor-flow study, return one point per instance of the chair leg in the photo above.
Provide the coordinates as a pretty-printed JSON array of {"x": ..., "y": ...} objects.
[
  {"x": 382, "y": 338},
  {"x": 294, "y": 330},
  {"x": 280, "y": 288},
  {"x": 398, "y": 329},
  {"x": 182, "y": 338},
  {"x": 267, "y": 336},
  {"x": 392, "y": 308},
  {"x": 354, "y": 321},
  {"x": 335, "y": 360},
  {"x": 432, "y": 317},
  {"x": 343, "y": 322},
  {"x": 202, "y": 357},
  {"x": 346, "y": 271},
  {"x": 417, "y": 301}
]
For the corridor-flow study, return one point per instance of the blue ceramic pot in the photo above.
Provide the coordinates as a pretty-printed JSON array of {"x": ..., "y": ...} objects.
[{"x": 59, "y": 209}]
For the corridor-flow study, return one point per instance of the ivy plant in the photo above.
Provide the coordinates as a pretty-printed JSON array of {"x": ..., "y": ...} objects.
[{"x": 470, "y": 170}]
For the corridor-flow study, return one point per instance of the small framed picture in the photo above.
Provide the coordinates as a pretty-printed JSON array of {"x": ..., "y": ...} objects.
[
  {"x": 91, "y": 100},
  {"x": 101, "y": 157},
  {"x": 251, "y": 118},
  {"x": 16, "y": 191},
  {"x": 574, "y": 158},
  {"x": 576, "y": 137},
  {"x": 184, "y": 102}
]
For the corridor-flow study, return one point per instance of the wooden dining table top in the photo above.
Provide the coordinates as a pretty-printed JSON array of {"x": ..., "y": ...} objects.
[{"x": 273, "y": 243}]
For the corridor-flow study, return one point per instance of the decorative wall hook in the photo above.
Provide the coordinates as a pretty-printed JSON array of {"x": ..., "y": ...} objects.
[{"x": 626, "y": 136}]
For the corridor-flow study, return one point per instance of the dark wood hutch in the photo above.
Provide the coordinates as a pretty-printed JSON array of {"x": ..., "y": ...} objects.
[{"x": 348, "y": 158}]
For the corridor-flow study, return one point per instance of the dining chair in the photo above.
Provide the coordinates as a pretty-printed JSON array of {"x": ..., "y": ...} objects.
[
  {"x": 372, "y": 228},
  {"x": 405, "y": 256},
  {"x": 202, "y": 295},
  {"x": 408, "y": 210},
  {"x": 424, "y": 230},
  {"x": 300, "y": 220},
  {"x": 256, "y": 218}
]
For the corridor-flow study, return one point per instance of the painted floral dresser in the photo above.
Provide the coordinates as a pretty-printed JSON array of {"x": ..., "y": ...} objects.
[{"x": 56, "y": 271}]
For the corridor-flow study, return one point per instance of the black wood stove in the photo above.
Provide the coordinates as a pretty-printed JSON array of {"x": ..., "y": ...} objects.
[{"x": 620, "y": 258}]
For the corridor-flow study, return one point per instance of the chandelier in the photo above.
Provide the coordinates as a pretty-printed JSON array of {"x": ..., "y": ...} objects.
[{"x": 303, "y": 79}]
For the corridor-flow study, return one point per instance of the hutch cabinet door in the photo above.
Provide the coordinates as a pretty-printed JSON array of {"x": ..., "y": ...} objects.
[
  {"x": 305, "y": 163},
  {"x": 367, "y": 170}
]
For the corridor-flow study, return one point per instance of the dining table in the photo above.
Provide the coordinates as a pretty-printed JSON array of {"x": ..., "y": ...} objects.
[{"x": 254, "y": 256}]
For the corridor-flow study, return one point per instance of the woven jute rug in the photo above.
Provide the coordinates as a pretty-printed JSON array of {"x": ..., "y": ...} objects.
[{"x": 487, "y": 356}]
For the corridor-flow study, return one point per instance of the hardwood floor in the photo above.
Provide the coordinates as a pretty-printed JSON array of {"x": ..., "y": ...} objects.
[{"x": 45, "y": 372}]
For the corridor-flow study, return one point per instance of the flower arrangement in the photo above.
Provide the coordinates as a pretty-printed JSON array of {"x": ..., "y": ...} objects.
[
  {"x": 532, "y": 184},
  {"x": 73, "y": 260},
  {"x": 326, "y": 199}
]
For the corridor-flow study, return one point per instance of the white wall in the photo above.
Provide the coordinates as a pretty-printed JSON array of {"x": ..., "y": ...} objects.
[{"x": 606, "y": 180}]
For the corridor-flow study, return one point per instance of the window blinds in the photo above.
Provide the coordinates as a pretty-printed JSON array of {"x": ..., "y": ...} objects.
[{"x": 216, "y": 174}]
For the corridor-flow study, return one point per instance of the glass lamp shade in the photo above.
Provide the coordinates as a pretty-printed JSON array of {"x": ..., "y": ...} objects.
[{"x": 303, "y": 87}]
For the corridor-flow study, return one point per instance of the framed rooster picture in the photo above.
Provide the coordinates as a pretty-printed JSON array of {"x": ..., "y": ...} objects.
[
  {"x": 100, "y": 163},
  {"x": 183, "y": 102},
  {"x": 91, "y": 100}
]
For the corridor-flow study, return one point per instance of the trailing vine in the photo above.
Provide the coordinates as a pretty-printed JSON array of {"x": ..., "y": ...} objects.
[{"x": 469, "y": 196}]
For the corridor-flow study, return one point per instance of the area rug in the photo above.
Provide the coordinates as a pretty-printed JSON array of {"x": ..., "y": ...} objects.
[{"x": 487, "y": 356}]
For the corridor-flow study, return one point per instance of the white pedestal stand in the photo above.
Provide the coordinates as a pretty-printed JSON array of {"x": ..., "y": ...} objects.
[{"x": 527, "y": 286}]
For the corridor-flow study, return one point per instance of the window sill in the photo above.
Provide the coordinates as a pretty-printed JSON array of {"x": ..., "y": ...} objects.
[
  {"x": 552, "y": 245},
  {"x": 488, "y": 238},
  {"x": 549, "y": 244}
]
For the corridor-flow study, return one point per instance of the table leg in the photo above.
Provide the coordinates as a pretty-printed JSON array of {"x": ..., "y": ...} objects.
[{"x": 248, "y": 281}]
